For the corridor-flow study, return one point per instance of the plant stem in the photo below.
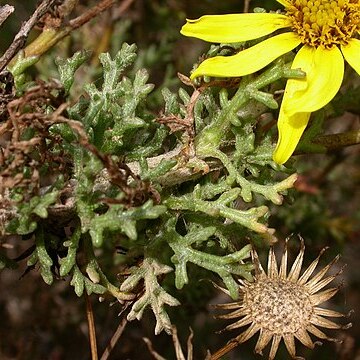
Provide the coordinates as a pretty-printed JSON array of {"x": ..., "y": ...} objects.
[
  {"x": 224, "y": 350},
  {"x": 91, "y": 326},
  {"x": 51, "y": 36},
  {"x": 5, "y": 12},
  {"x": 22, "y": 35},
  {"x": 115, "y": 338},
  {"x": 212, "y": 135},
  {"x": 336, "y": 141}
]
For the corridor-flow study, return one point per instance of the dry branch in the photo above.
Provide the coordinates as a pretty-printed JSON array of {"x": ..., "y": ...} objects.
[
  {"x": 5, "y": 11},
  {"x": 20, "y": 38}
]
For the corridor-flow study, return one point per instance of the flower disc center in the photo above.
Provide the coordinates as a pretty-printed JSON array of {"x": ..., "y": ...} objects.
[
  {"x": 279, "y": 306},
  {"x": 325, "y": 22}
]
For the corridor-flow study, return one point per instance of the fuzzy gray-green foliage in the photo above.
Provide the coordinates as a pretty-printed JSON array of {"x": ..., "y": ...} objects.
[{"x": 168, "y": 199}]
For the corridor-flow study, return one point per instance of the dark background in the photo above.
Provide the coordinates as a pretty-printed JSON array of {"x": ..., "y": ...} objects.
[{"x": 42, "y": 322}]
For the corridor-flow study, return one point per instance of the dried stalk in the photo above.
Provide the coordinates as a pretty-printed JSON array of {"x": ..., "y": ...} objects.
[
  {"x": 20, "y": 38},
  {"x": 91, "y": 326},
  {"x": 51, "y": 36},
  {"x": 224, "y": 350},
  {"x": 5, "y": 11},
  {"x": 115, "y": 338}
]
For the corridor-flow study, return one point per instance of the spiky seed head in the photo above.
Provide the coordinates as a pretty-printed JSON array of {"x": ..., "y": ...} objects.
[{"x": 284, "y": 305}]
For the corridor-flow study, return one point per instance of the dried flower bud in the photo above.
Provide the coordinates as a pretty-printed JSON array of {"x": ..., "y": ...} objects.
[{"x": 284, "y": 305}]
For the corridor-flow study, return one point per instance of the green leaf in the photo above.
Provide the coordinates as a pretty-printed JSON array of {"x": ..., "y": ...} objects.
[
  {"x": 25, "y": 222},
  {"x": 81, "y": 282},
  {"x": 68, "y": 262},
  {"x": 68, "y": 67},
  {"x": 77, "y": 281},
  {"x": 221, "y": 207},
  {"x": 184, "y": 252},
  {"x": 154, "y": 295},
  {"x": 117, "y": 219},
  {"x": 43, "y": 257}
]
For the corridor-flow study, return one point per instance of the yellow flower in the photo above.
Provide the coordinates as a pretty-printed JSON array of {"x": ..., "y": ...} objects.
[
  {"x": 283, "y": 305},
  {"x": 325, "y": 28}
]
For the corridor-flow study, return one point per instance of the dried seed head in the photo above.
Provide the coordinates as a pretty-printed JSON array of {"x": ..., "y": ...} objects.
[{"x": 284, "y": 305}]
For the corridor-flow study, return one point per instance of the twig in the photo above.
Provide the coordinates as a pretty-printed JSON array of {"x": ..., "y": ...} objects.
[
  {"x": 51, "y": 36},
  {"x": 246, "y": 6},
  {"x": 190, "y": 348},
  {"x": 178, "y": 351},
  {"x": 336, "y": 141},
  {"x": 5, "y": 11},
  {"x": 21, "y": 36},
  {"x": 224, "y": 350},
  {"x": 156, "y": 355},
  {"x": 67, "y": 7},
  {"x": 91, "y": 326},
  {"x": 115, "y": 338},
  {"x": 102, "y": 6}
]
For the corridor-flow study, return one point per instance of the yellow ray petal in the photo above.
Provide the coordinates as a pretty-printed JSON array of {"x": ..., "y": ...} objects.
[
  {"x": 284, "y": 3},
  {"x": 232, "y": 28},
  {"x": 290, "y": 131},
  {"x": 324, "y": 73},
  {"x": 324, "y": 70},
  {"x": 351, "y": 52},
  {"x": 250, "y": 60}
]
